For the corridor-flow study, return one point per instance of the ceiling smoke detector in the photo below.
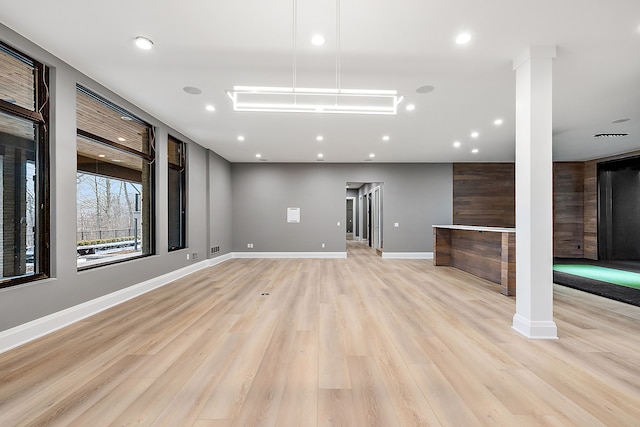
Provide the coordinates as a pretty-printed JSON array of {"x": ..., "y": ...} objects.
[{"x": 610, "y": 135}]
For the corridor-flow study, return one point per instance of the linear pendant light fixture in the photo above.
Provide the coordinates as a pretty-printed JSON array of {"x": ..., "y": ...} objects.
[{"x": 315, "y": 100}]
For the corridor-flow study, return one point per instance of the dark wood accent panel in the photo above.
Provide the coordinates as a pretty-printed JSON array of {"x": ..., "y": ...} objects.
[
  {"x": 508, "y": 266},
  {"x": 568, "y": 209},
  {"x": 484, "y": 194},
  {"x": 590, "y": 213},
  {"x": 477, "y": 252},
  {"x": 442, "y": 246}
]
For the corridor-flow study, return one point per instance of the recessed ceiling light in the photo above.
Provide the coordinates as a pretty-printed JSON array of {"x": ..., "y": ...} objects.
[
  {"x": 126, "y": 118},
  {"x": 319, "y": 138},
  {"x": 457, "y": 144},
  {"x": 210, "y": 108},
  {"x": 121, "y": 139},
  {"x": 372, "y": 155},
  {"x": 425, "y": 89},
  {"x": 192, "y": 90},
  {"x": 317, "y": 40},
  {"x": 475, "y": 151},
  {"x": 463, "y": 38},
  {"x": 101, "y": 156},
  {"x": 117, "y": 160},
  {"x": 498, "y": 122},
  {"x": 410, "y": 107},
  {"x": 258, "y": 155},
  {"x": 320, "y": 155},
  {"x": 385, "y": 138},
  {"x": 474, "y": 134},
  {"x": 144, "y": 43},
  {"x": 240, "y": 138}
]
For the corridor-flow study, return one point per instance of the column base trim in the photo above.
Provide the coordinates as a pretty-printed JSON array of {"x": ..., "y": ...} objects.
[{"x": 535, "y": 329}]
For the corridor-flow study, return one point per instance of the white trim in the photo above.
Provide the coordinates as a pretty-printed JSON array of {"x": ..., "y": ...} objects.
[
  {"x": 407, "y": 255},
  {"x": 542, "y": 330},
  {"x": 22, "y": 334},
  {"x": 289, "y": 254}
]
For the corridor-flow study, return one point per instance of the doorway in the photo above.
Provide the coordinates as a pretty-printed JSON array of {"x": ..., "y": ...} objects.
[
  {"x": 365, "y": 213},
  {"x": 619, "y": 209},
  {"x": 350, "y": 219}
]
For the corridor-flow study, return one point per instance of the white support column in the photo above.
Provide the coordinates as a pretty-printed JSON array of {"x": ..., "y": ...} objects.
[{"x": 534, "y": 194}]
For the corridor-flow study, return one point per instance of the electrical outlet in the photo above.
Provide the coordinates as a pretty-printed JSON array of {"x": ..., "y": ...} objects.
[
  {"x": 194, "y": 256},
  {"x": 323, "y": 245},
  {"x": 396, "y": 224},
  {"x": 338, "y": 223},
  {"x": 250, "y": 245},
  {"x": 187, "y": 257}
]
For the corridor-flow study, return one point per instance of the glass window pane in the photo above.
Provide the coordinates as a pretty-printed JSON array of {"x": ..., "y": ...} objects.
[
  {"x": 16, "y": 81},
  {"x": 103, "y": 159},
  {"x": 177, "y": 194},
  {"x": 100, "y": 119},
  {"x": 18, "y": 197},
  {"x": 109, "y": 219},
  {"x": 114, "y": 185}
]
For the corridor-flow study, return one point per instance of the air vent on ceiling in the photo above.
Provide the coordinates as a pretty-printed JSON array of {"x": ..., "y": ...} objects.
[{"x": 610, "y": 135}]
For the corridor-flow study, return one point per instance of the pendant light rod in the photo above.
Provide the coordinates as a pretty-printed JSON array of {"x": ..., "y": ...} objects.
[
  {"x": 338, "y": 44},
  {"x": 314, "y": 100},
  {"x": 295, "y": 40}
]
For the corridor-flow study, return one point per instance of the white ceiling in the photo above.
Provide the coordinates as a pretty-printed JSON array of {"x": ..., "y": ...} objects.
[{"x": 384, "y": 44}]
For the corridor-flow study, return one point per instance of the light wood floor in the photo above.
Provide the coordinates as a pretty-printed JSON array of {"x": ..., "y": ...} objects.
[{"x": 344, "y": 342}]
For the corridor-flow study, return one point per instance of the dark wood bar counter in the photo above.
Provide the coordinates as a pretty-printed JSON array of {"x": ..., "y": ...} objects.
[{"x": 487, "y": 252}]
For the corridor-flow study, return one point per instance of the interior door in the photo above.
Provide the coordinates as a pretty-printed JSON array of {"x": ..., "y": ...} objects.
[{"x": 349, "y": 216}]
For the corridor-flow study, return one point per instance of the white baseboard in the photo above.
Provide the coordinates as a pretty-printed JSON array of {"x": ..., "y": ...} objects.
[
  {"x": 21, "y": 334},
  {"x": 289, "y": 254},
  {"x": 535, "y": 329},
  {"x": 407, "y": 255}
]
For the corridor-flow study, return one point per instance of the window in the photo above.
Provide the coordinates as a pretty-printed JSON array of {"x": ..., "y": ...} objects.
[
  {"x": 114, "y": 182},
  {"x": 24, "y": 168},
  {"x": 177, "y": 194}
]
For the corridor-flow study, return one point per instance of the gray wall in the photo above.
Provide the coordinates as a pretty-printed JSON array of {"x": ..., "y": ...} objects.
[
  {"x": 229, "y": 205},
  {"x": 68, "y": 287},
  {"x": 414, "y": 195},
  {"x": 219, "y": 204}
]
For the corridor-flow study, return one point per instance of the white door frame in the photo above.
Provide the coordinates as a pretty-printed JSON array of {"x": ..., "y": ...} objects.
[
  {"x": 360, "y": 217},
  {"x": 353, "y": 215},
  {"x": 376, "y": 217}
]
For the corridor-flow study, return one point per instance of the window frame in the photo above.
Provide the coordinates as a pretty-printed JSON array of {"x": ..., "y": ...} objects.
[
  {"x": 147, "y": 157},
  {"x": 40, "y": 117},
  {"x": 182, "y": 169}
]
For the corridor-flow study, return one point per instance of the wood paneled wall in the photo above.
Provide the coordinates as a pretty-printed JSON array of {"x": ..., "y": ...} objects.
[
  {"x": 479, "y": 253},
  {"x": 484, "y": 194},
  {"x": 590, "y": 214},
  {"x": 568, "y": 209}
]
